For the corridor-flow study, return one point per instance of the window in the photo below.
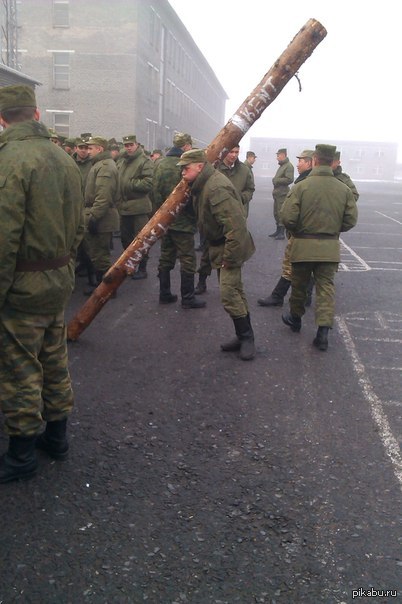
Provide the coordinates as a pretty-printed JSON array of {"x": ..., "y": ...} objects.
[
  {"x": 61, "y": 122},
  {"x": 61, "y": 13},
  {"x": 61, "y": 70}
]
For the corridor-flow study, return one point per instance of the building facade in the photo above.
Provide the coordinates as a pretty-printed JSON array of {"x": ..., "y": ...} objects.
[
  {"x": 361, "y": 160},
  {"x": 116, "y": 67}
]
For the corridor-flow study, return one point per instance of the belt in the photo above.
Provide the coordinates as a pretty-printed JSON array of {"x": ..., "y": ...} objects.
[
  {"x": 216, "y": 242},
  {"x": 45, "y": 264},
  {"x": 315, "y": 236}
]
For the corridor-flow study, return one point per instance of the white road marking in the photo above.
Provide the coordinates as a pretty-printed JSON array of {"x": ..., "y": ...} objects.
[
  {"x": 389, "y": 217},
  {"x": 389, "y": 442}
]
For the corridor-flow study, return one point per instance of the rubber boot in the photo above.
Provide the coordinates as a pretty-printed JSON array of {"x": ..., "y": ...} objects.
[
  {"x": 165, "y": 295},
  {"x": 278, "y": 294},
  {"x": 188, "y": 299},
  {"x": 321, "y": 339},
  {"x": 246, "y": 337},
  {"x": 274, "y": 234},
  {"x": 201, "y": 285},
  {"x": 142, "y": 270},
  {"x": 19, "y": 463},
  {"x": 54, "y": 439},
  {"x": 292, "y": 321},
  {"x": 309, "y": 292},
  {"x": 281, "y": 233}
]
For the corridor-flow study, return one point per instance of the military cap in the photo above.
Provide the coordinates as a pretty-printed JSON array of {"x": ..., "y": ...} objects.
[
  {"x": 337, "y": 155},
  {"x": 70, "y": 142},
  {"x": 282, "y": 151},
  {"x": 53, "y": 134},
  {"x": 81, "y": 142},
  {"x": 306, "y": 154},
  {"x": 325, "y": 152},
  {"x": 17, "y": 96},
  {"x": 97, "y": 140},
  {"x": 86, "y": 135},
  {"x": 114, "y": 147},
  {"x": 193, "y": 156},
  {"x": 181, "y": 138},
  {"x": 156, "y": 151},
  {"x": 250, "y": 154},
  {"x": 130, "y": 138}
]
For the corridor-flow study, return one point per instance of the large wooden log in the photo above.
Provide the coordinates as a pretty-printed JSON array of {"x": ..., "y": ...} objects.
[{"x": 289, "y": 62}]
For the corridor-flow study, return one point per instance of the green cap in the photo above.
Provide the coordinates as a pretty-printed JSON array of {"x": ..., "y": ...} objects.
[
  {"x": 81, "y": 142},
  {"x": 97, "y": 140},
  {"x": 86, "y": 135},
  {"x": 181, "y": 138},
  {"x": 53, "y": 134},
  {"x": 306, "y": 154},
  {"x": 325, "y": 152},
  {"x": 70, "y": 142},
  {"x": 337, "y": 155},
  {"x": 193, "y": 156},
  {"x": 285, "y": 151},
  {"x": 130, "y": 138},
  {"x": 159, "y": 151},
  {"x": 17, "y": 96}
]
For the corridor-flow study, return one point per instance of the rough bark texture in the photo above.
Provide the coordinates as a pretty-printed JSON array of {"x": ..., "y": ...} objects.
[{"x": 300, "y": 48}]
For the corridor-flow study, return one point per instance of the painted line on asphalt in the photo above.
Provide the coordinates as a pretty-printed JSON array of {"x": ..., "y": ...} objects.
[
  {"x": 360, "y": 260},
  {"x": 387, "y": 340},
  {"x": 389, "y": 442},
  {"x": 122, "y": 317},
  {"x": 393, "y": 403},
  {"x": 389, "y": 217}
]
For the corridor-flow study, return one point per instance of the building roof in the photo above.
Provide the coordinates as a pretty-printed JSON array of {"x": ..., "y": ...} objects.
[{"x": 9, "y": 76}]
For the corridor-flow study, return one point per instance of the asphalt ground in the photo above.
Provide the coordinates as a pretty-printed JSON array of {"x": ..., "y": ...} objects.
[{"x": 197, "y": 478}]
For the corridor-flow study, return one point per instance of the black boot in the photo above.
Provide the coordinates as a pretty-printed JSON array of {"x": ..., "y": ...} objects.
[
  {"x": 293, "y": 321},
  {"x": 281, "y": 233},
  {"x": 94, "y": 284},
  {"x": 165, "y": 295},
  {"x": 201, "y": 285},
  {"x": 309, "y": 292},
  {"x": 54, "y": 440},
  {"x": 142, "y": 270},
  {"x": 188, "y": 299},
  {"x": 20, "y": 460},
  {"x": 278, "y": 294},
  {"x": 246, "y": 337},
  {"x": 321, "y": 339},
  {"x": 275, "y": 233}
]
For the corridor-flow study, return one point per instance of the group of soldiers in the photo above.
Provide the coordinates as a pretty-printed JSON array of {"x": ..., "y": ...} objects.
[{"x": 56, "y": 203}]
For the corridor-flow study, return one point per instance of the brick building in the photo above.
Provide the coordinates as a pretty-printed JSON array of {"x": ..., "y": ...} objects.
[{"x": 114, "y": 67}]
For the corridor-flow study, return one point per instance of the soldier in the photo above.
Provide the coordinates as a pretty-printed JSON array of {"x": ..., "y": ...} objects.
[
  {"x": 250, "y": 159},
  {"x": 304, "y": 167},
  {"x": 84, "y": 163},
  {"x": 54, "y": 137},
  {"x": 101, "y": 215},
  {"x": 283, "y": 178},
  {"x": 316, "y": 211},
  {"x": 156, "y": 156},
  {"x": 342, "y": 176},
  {"x": 41, "y": 224},
  {"x": 135, "y": 182},
  {"x": 219, "y": 210},
  {"x": 69, "y": 145},
  {"x": 178, "y": 242}
]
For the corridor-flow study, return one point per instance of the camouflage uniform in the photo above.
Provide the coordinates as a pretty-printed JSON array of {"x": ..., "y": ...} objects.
[
  {"x": 345, "y": 178},
  {"x": 220, "y": 215},
  {"x": 41, "y": 225},
  {"x": 179, "y": 239},
  {"x": 242, "y": 179},
  {"x": 315, "y": 212},
  {"x": 283, "y": 178}
]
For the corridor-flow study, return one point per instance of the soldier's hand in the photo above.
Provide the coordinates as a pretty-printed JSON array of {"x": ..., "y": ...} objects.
[{"x": 92, "y": 226}]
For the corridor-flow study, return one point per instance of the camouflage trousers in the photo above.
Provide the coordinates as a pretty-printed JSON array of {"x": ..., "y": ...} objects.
[
  {"x": 278, "y": 203},
  {"x": 178, "y": 244},
  {"x": 98, "y": 249},
  {"x": 286, "y": 264},
  {"x": 232, "y": 293},
  {"x": 324, "y": 274},
  {"x": 205, "y": 268},
  {"x": 35, "y": 384},
  {"x": 130, "y": 226}
]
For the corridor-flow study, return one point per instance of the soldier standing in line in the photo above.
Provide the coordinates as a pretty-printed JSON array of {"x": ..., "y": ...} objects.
[
  {"x": 220, "y": 213},
  {"x": 41, "y": 225},
  {"x": 316, "y": 211},
  {"x": 304, "y": 167},
  {"x": 135, "y": 183},
  {"x": 101, "y": 215},
  {"x": 283, "y": 178},
  {"x": 84, "y": 163},
  {"x": 178, "y": 242},
  {"x": 342, "y": 176}
]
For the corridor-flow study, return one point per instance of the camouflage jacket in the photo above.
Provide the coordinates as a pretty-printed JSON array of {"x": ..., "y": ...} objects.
[
  {"x": 135, "y": 181},
  {"x": 167, "y": 175},
  {"x": 101, "y": 193},
  {"x": 84, "y": 166},
  {"x": 283, "y": 178},
  {"x": 221, "y": 218},
  {"x": 41, "y": 218},
  {"x": 315, "y": 211},
  {"x": 343, "y": 177},
  {"x": 241, "y": 178}
]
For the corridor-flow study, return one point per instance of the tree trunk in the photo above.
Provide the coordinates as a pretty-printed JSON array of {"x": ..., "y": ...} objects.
[{"x": 300, "y": 48}]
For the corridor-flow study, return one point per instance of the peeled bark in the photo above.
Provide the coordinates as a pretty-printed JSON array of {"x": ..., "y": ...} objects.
[{"x": 300, "y": 48}]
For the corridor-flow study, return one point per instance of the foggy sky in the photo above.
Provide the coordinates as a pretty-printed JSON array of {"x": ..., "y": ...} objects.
[{"x": 350, "y": 85}]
